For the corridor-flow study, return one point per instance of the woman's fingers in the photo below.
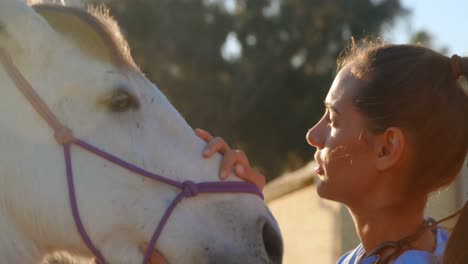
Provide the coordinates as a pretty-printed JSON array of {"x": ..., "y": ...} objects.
[
  {"x": 251, "y": 175},
  {"x": 230, "y": 159},
  {"x": 239, "y": 170},
  {"x": 233, "y": 160},
  {"x": 216, "y": 145},
  {"x": 256, "y": 178},
  {"x": 156, "y": 257},
  {"x": 203, "y": 134}
]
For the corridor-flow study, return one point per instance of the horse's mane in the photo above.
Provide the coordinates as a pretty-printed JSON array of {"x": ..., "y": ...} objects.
[{"x": 99, "y": 19}]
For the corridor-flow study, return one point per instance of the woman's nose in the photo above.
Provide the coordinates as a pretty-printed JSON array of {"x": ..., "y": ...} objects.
[{"x": 312, "y": 137}]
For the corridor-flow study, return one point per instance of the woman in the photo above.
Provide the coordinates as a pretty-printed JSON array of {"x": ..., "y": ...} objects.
[{"x": 394, "y": 130}]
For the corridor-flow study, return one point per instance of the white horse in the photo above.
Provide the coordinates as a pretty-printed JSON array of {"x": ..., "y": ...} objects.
[{"x": 80, "y": 66}]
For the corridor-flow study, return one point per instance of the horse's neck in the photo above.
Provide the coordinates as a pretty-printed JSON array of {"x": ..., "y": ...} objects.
[{"x": 14, "y": 246}]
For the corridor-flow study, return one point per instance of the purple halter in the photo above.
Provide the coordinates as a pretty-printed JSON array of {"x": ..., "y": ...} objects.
[{"x": 64, "y": 137}]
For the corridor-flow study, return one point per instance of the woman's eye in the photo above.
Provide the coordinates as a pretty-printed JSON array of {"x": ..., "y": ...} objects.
[
  {"x": 121, "y": 100},
  {"x": 330, "y": 122}
]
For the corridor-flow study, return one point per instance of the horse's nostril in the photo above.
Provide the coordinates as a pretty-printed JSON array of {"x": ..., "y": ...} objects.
[{"x": 273, "y": 243}]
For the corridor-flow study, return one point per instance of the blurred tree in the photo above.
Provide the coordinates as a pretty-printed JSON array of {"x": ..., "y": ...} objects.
[
  {"x": 424, "y": 38},
  {"x": 421, "y": 37},
  {"x": 252, "y": 71}
]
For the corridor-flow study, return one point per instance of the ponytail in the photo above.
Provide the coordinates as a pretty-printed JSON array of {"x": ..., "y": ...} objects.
[
  {"x": 459, "y": 71},
  {"x": 456, "y": 251}
]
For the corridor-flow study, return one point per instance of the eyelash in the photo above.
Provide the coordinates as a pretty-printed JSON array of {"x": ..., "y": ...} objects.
[
  {"x": 126, "y": 101},
  {"x": 330, "y": 123}
]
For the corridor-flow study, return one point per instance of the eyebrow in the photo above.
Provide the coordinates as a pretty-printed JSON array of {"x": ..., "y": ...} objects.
[{"x": 329, "y": 106}]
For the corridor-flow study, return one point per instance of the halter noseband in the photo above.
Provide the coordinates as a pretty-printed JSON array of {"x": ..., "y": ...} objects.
[{"x": 64, "y": 136}]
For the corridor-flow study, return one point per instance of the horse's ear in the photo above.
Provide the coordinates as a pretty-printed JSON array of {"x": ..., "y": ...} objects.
[
  {"x": 82, "y": 29},
  {"x": 19, "y": 25}
]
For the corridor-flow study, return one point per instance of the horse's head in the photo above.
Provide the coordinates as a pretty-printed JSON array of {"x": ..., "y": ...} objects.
[{"x": 80, "y": 66}]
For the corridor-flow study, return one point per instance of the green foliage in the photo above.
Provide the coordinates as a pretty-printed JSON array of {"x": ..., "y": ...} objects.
[
  {"x": 425, "y": 39},
  {"x": 422, "y": 38},
  {"x": 265, "y": 99}
]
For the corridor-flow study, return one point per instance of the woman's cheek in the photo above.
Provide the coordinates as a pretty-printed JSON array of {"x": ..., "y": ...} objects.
[
  {"x": 339, "y": 156},
  {"x": 333, "y": 132}
]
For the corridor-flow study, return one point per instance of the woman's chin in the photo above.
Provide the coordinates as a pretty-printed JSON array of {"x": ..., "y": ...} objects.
[
  {"x": 324, "y": 189},
  {"x": 321, "y": 186}
]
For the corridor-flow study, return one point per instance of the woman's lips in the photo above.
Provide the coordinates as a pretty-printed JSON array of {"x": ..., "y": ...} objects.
[{"x": 319, "y": 170}]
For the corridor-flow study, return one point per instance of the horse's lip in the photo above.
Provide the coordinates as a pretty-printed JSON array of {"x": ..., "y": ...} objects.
[{"x": 156, "y": 256}]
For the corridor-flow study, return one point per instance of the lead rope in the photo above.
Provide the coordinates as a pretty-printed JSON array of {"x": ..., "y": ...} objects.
[
  {"x": 64, "y": 136},
  {"x": 403, "y": 244}
]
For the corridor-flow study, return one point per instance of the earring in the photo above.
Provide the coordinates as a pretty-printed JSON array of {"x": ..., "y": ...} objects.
[{"x": 381, "y": 154}]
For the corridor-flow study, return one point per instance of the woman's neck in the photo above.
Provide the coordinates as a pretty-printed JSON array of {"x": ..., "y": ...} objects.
[{"x": 392, "y": 223}]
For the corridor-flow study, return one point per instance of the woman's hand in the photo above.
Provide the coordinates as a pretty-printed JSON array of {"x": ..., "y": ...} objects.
[
  {"x": 233, "y": 160},
  {"x": 156, "y": 257}
]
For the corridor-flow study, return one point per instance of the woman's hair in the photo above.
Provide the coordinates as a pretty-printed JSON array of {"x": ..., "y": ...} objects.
[
  {"x": 456, "y": 251},
  {"x": 416, "y": 89}
]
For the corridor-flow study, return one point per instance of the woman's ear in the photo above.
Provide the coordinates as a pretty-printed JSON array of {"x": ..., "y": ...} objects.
[{"x": 390, "y": 148}]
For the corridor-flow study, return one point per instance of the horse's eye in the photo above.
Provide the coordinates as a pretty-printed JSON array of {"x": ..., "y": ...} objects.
[{"x": 121, "y": 100}]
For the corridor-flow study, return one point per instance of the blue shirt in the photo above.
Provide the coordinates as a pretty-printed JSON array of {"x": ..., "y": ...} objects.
[{"x": 408, "y": 257}]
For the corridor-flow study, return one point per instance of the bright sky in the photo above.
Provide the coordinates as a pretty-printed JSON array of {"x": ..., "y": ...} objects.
[{"x": 445, "y": 20}]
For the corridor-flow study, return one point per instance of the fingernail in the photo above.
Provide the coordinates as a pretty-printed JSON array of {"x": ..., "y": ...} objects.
[
  {"x": 206, "y": 152},
  {"x": 223, "y": 175},
  {"x": 240, "y": 169}
]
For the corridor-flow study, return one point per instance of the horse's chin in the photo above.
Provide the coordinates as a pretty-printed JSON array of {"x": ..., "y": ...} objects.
[
  {"x": 156, "y": 256},
  {"x": 62, "y": 257}
]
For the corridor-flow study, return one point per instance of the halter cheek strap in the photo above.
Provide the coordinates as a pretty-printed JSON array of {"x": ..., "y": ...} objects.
[{"x": 64, "y": 136}]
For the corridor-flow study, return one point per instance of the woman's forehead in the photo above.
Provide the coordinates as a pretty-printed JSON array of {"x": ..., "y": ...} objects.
[{"x": 344, "y": 87}]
